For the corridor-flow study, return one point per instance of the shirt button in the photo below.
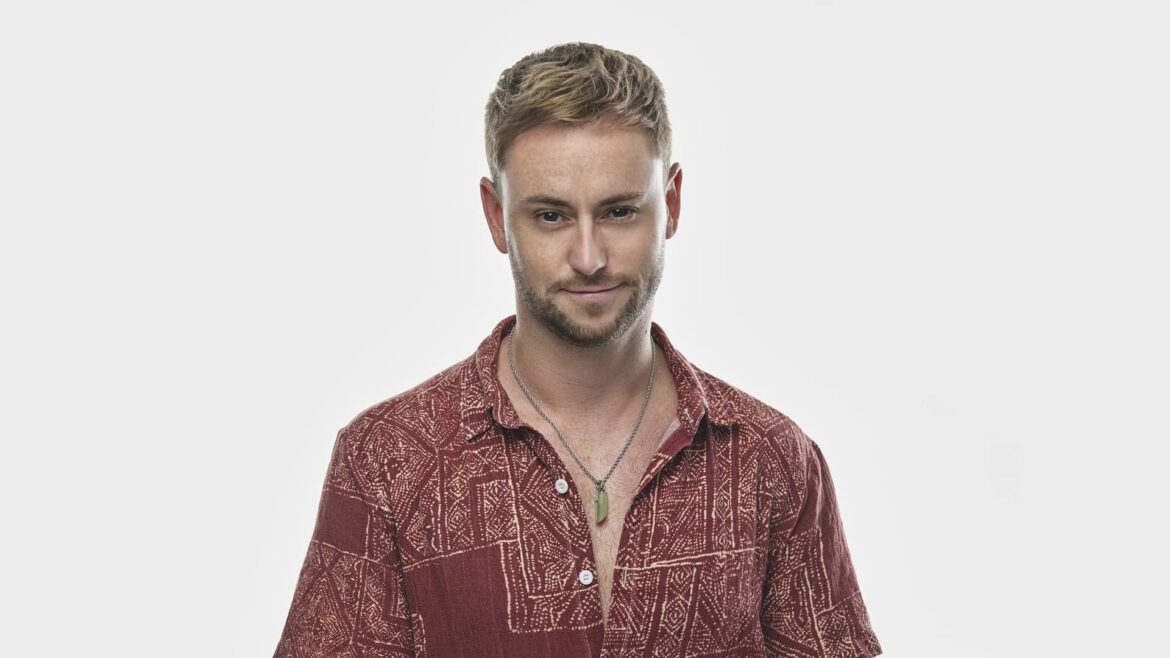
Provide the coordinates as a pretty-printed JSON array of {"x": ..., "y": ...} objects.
[
  {"x": 562, "y": 486},
  {"x": 586, "y": 577}
]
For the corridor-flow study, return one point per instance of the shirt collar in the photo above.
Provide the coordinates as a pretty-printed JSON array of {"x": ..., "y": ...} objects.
[{"x": 482, "y": 399}]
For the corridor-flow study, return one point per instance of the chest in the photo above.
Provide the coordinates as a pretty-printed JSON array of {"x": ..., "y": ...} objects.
[
  {"x": 619, "y": 466},
  {"x": 492, "y": 548},
  {"x": 590, "y": 455},
  {"x": 585, "y": 464}
]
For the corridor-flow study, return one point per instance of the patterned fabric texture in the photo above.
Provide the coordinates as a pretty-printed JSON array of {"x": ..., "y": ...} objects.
[{"x": 439, "y": 534}]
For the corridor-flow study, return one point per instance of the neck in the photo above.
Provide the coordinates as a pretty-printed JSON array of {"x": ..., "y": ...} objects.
[{"x": 571, "y": 382}]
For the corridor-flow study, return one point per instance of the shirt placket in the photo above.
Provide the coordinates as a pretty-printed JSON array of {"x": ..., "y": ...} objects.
[
  {"x": 560, "y": 484},
  {"x": 635, "y": 543}
]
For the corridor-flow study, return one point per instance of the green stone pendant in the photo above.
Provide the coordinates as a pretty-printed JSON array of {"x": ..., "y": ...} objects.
[{"x": 602, "y": 505}]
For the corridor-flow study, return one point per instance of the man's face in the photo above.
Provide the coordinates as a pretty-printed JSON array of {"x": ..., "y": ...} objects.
[{"x": 578, "y": 208}]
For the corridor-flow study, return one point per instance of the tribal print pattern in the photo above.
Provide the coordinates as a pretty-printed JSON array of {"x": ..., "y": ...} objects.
[{"x": 439, "y": 533}]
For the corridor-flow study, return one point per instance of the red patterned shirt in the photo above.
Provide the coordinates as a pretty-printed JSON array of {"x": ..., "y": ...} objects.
[{"x": 442, "y": 532}]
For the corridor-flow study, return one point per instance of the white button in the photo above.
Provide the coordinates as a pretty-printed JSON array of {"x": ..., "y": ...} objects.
[
  {"x": 586, "y": 577},
  {"x": 562, "y": 486}
]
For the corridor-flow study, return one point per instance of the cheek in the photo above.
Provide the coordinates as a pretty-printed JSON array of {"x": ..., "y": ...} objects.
[
  {"x": 645, "y": 249},
  {"x": 534, "y": 261}
]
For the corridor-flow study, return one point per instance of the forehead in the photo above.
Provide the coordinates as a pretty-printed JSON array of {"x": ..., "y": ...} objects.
[{"x": 579, "y": 161}]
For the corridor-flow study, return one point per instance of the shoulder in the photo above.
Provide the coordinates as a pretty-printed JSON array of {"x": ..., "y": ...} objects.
[
  {"x": 785, "y": 457},
  {"x": 425, "y": 415},
  {"x": 781, "y": 443}
]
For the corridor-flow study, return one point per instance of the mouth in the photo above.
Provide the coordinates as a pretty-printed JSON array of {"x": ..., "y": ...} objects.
[{"x": 595, "y": 295}]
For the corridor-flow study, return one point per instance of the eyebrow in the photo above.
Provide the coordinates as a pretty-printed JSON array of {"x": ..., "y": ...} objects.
[{"x": 545, "y": 200}]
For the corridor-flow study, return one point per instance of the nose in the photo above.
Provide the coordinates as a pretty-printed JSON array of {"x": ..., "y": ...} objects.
[{"x": 587, "y": 252}]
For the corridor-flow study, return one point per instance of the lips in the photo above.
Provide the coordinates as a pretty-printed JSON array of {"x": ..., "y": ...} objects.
[{"x": 593, "y": 296}]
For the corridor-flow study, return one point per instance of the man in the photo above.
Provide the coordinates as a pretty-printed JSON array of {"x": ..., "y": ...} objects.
[{"x": 576, "y": 487}]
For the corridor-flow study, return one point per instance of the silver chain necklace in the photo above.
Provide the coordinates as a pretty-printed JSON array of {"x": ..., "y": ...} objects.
[{"x": 602, "y": 500}]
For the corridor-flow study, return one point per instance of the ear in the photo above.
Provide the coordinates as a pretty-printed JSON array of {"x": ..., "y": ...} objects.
[
  {"x": 674, "y": 180},
  {"x": 493, "y": 211}
]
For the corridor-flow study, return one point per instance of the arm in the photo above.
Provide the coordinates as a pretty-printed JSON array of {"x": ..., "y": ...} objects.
[
  {"x": 812, "y": 604},
  {"x": 350, "y": 589}
]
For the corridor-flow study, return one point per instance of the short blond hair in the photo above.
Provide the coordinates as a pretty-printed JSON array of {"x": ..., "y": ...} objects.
[{"x": 574, "y": 83}]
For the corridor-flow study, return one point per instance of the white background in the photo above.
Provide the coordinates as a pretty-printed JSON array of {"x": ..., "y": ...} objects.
[{"x": 932, "y": 233}]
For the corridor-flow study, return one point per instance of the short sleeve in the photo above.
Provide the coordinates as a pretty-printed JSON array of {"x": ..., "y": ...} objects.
[
  {"x": 812, "y": 605},
  {"x": 349, "y": 598}
]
